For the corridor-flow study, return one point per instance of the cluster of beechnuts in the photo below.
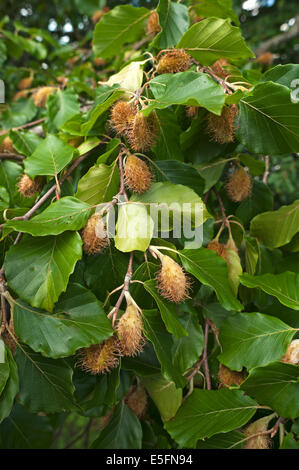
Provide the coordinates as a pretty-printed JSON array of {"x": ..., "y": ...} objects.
[{"x": 139, "y": 133}]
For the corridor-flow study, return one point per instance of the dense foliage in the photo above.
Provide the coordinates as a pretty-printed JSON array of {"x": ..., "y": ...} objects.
[{"x": 148, "y": 338}]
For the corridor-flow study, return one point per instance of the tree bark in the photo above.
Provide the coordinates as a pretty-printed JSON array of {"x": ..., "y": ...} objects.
[{"x": 273, "y": 42}]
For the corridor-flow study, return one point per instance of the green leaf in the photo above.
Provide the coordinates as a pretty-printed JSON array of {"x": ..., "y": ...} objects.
[
  {"x": 218, "y": 8},
  {"x": 122, "y": 432},
  {"x": 49, "y": 158},
  {"x": 23, "y": 430},
  {"x": 276, "y": 228},
  {"x": 187, "y": 88},
  {"x": 179, "y": 173},
  {"x": 174, "y": 21},
  {"x": 79, "y": 321},
  {"x": 98, "y": 110},
  {"x": 268, "y": 120},
  {"x": 61, "y": 107},
  {"x": 25, "y": 142},
  {"x": 167, "y": 310},
  {"x": 289, "y": 442},
  {"x": 11, "y": 387},
  {"x": 187, "y": 349},
  {"x": 99, "y": 184},
  {"x": 130, "y": 78},
  {"x": 260, "y": 200},
  {"x": 123, "y": 24},
  {"x": 282, "y": 74},
  {"x": 228, "y": 440},
  {"x": 174, "y": 201},
  {"x": 164, "y": 394},
  {"x": 168, "y": 144},
  {"x": 104, "y": 392},
  {"x": 10, "y": 173},
  {"x": 211, "y": 172},
  {"x": 45, "y": 384},
  {"x": 4, "y": 366},
  {"x": 68, "y": 213},
  {"x": 19, "y": 113},
  {"x": 253, "y": 339},
  {"x": 38, "y": 269},
  {"x": 209, "y": 412},
  {"x": 213, "y": 38},
  {"x": 211, "y": 270},
  {"x": 284, "y": 286},
  {"x": 134, "y": 228},
  {"x": 275, "y": 385},
  {"x": 156, "y": 333}
]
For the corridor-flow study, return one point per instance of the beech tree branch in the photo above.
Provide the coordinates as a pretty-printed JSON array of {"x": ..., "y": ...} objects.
[{"x": 275, "y": 41}]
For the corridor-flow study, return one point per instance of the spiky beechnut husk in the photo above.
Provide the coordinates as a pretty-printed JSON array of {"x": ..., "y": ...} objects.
[
  {"x": 239, "y": 185},
  {"x": 122, "y": 115},
  {"x": 100, "y": 358},
  {"x": 136, "y": 400},
  {"x": 138, "y": 176},
  {"x": 172, "y": 282},
  {"x": 41, "y": 95},
  {"x": 143, "y": 132},
  {"x": 219, "y": 248},
  {"x": 25, "y": 83},
  {"x": 222, "y": 128},
  {"x": 292, "y": 354},
  {"x": 7, "y": 145},
  {"x": 129, "y": 330},
  {"x": 94, "y": 235},
  {"x": 28, "y": 187},
  {"x": 152, "y": 25},
  {"x": 261, "y": 441},
  {"x": 229, "y": 377},
  {"x": 174, "y": 61}
]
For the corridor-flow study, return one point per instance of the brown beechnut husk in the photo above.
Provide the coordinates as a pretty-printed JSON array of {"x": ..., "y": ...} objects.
[
  {"x": 99, "y": 14},
  {"x": 222, "y": 128},
  {"x": 219, "y": 248},
  {"x": 292, "y": 354},
  {"x": 25, "y": 83},
  {"x": 258, "y": 442},
  {"x": 192, "y": 111},
  {"x": 174, "y": 61},
  {"x": 7, "y": 145},
  {"x": 265, "y": 59},
  {"x": 100, "y": 358},
  {"x": 218, "y": 69},
  {"x": 172, "y": 282},
  {"x": 40, "y": 96},
  {"x": 239, "y": 185},
  {"x": 21, "y": 94},
  {"x": 143, "y": 132},
  {"x": 122, "y": 116},
  {"x": 229, "y": 377},
  {"x": 152, "y": 25},
  {"x": 129, "y": 330},
  {"x": 28, "y": 187},
  {"x": 136, "y": 400},
  {"x": 94, "y": 235},
  {"x": 138, "y": 176}
]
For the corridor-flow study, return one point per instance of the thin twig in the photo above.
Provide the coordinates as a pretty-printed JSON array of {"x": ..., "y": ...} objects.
[
  {"x": 125, "y": 289},
  {"x": 266, "y": 173},
  {"x": 24, "y": 126},
  {"x": 11, "y": 156},
  {"x": 50, "y": 191}
]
